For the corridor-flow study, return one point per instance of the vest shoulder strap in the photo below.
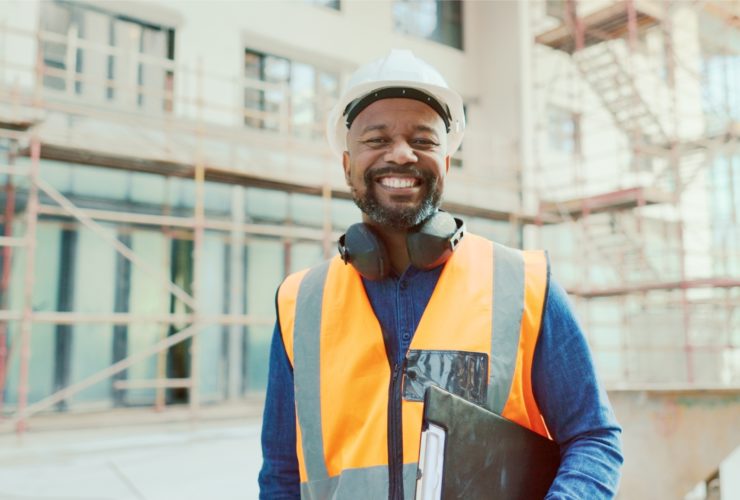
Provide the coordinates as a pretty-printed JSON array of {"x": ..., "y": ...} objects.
[{"x": 286, "y": 308}]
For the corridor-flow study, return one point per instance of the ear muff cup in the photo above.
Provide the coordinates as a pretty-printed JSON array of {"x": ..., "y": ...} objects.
[
  {"x": 363, "y": 248},
  {"x": 429, "y": 246}
]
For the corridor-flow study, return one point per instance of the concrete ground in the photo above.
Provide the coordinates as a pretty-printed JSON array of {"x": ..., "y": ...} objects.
[{"x": 125, "y": 457}]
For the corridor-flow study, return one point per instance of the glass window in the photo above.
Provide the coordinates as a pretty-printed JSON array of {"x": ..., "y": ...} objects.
[
  {"x": 266, "y": 84},
  {"x": 281, "y": 94},
  {"x": 305, "y": 254},
  {"x": 55, "y": 22},
  {"x": 437, "y": 20},
  {"x": 457, "y": 159},
  {"x": 266, "y": 205},
  {"x": 45, "y": 298},
  {"x": 332, "y": 4},
  {"x": 564, "y": 130},
  {"x": 264, "y": 266},
  {"x": 92, "y": 286},
  {"x": 344, "y": 213},
  {"x": 146, "y": 296},
  {"x": 123, "y": 61},
  {"x": 211, "y": 344}
]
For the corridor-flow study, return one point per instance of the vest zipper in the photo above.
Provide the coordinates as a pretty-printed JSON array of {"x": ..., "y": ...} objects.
[
  {"x": 395, "y": 433},
  {"x": 395, "y": 420}
]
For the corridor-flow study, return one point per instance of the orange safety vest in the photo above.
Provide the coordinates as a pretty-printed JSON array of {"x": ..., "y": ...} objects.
[{"x": 488, "y": 301}]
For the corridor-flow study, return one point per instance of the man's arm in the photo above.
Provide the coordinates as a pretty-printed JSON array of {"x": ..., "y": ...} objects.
[
  {"x": 575, "y": 406},
  {"x": 278, "y": 479}
]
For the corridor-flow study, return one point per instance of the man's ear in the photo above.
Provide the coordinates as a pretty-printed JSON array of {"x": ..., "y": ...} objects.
[
  {"x": 447, "y": 164},
  {"x": 345, "y": 166}
]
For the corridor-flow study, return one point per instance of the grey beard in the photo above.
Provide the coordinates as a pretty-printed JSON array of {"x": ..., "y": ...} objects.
[{"x": 400, "y": 219}]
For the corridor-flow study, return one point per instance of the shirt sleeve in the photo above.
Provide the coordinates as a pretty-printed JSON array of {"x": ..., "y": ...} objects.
[
  {"x": 278, "y": 478},
  {"x": 575, "y": 406}
]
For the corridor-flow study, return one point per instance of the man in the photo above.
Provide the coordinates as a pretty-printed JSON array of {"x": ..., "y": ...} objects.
[{"x": 410, "y": 300}]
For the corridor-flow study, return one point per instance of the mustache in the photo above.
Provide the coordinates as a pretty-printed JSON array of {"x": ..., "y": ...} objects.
[{"x": 372, "y": 174}]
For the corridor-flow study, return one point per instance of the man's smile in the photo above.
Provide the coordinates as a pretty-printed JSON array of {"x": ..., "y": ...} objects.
[{"x": 399, "y": 182}]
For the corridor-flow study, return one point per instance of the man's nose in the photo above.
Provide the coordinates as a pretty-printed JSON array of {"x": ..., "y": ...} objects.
[{"x": 401, "y": 153}]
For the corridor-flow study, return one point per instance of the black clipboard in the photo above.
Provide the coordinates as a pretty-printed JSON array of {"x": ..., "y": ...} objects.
[{"x": 468, "y": 452}]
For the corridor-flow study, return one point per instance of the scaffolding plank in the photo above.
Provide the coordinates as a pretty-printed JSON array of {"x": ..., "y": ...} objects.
[
  {"x": 658, "y": 286},
  {"x": 15, "y": 117},
  {"x": 622, "y": 199},
  {"x": 727, "y": 12},
  {"x": 169, "y": 168},
  {"x": 50, "y": 151},
  {"x": 604, "y": 24}
]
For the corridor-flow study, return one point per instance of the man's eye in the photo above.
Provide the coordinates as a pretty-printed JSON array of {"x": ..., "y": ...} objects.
[
  {"x": 425, "y": 142},
  {"x": 374, "y": 141}
]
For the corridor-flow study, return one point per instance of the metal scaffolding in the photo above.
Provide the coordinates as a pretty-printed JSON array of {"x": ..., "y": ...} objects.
[
  {"x": 635, "y": 223},
  {"x": 194, "y": 136},
  {"x": 29, "y": 137},
  {"x": 191, "y": 137}
]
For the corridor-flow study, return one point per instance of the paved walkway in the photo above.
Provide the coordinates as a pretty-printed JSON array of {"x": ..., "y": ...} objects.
[{"x": 200, "y": 460}]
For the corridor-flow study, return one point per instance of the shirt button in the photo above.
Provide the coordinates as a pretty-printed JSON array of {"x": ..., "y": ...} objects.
[
  {"x": 406, "y": 335},
  {"x": 403, "y": 285}
]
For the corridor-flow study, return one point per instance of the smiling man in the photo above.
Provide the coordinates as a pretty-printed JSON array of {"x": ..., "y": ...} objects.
[
  {"x": 412, "y": 301},
  {"x": 395, "y": 164}
]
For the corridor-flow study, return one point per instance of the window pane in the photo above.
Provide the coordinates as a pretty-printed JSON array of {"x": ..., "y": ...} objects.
[
  {"x": 276, "y": 70},
  {"x": 332, "y": 4},
  {"x": 146, "y": 297},
  {"x": 254, "y": 97},
  {"x": 303, "y": 96},
  {"x": 563, "y": 130},
  {"x": 127, "y": 37},
  {"x": 95, "y": 57},
  {"x": 304, "y": 255},
  {"x": 416, "y": 17},
  {"x": 45, "y": 296},
  {"x": 211, "y": 382},
  {"x": 55, "y": 20},
  {"x": 312, "y": 93},
  {"x": 264, "y": 265},
  {"x": 437, "y": 20},
  {"x": 152, "y": 70},
  {"x": 109, "y": 66},
  {"x": 93, "y": 285}
]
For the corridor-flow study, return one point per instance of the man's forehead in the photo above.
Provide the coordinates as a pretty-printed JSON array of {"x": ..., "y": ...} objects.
[
  {"x": 371, "y": 127},
  {"x": 385, "y": 113}
]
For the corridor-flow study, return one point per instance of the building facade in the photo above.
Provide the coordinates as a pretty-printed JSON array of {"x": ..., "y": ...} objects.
[{"x": 165, "y": 167}]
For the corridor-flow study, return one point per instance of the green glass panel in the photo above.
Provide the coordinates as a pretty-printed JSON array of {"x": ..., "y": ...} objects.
[
  {"x": 41, "y": 367},
  {"x": 264, "y": 274},
  {"x": 147, "y": 297},
  {"x": 94, "y": 281}
]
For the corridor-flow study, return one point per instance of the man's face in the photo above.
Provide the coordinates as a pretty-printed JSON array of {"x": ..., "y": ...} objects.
[{"x": 396, "y": 162}]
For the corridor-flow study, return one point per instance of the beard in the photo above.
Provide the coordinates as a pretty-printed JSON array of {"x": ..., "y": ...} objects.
[{"x": 402, "y": 218}]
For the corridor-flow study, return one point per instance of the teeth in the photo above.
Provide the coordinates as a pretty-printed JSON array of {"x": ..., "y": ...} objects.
[{"x": 398, "y": 182}]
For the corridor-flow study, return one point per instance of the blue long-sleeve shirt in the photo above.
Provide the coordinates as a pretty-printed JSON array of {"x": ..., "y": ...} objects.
[{"x": 573, "y": 403}]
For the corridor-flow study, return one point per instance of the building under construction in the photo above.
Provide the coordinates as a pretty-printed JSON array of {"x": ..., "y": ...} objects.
[{"x": 164, "y": 168}]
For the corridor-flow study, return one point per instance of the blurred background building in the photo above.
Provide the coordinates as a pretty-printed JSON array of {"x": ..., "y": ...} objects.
[{"x": 164, "y": 167}]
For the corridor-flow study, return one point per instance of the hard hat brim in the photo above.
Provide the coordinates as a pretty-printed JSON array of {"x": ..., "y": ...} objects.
[{"x": 337, "y": 130}]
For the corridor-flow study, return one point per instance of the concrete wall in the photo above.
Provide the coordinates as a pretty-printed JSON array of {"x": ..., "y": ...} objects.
[{"x": 673, "y": 440}]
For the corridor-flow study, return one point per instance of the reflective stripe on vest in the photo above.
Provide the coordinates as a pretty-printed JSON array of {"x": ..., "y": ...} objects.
[{"x": 489, "y": 299}]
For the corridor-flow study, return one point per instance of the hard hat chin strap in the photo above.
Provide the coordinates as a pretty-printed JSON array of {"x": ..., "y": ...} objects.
[{"x": 355, "y": 107}]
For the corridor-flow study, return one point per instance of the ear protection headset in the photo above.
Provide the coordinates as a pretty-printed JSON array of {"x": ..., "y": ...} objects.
[{"x": 429, "y": 245}]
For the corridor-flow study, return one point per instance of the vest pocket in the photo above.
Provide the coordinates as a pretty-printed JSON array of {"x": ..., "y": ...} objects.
[{"x": 462, "y": 373}]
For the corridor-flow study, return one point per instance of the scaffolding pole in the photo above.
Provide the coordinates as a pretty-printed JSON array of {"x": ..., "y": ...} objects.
[
  {"x": 198, "y": 235},
  {"x": 27, "y": 318},
  {"x": 7, "y": 248}
]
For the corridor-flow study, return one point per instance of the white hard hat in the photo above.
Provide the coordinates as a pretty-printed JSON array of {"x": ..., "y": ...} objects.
[{"x": 399, "y": 74}]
